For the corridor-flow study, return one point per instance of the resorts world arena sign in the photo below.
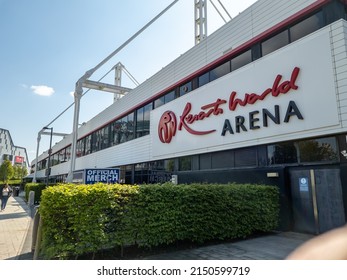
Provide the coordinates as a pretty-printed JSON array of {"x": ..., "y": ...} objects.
[
  {"x": 269, "y": 100},
  {"x": 169, "y": 124}
]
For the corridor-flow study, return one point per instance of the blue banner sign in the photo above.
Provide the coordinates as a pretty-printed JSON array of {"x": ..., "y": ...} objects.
[{"x": 109, "y": 175}]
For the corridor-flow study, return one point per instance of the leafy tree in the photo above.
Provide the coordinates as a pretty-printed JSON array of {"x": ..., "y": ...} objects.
[{"x": 6, "y": 171}]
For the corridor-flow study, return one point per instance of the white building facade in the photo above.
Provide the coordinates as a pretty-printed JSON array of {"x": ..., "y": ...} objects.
[
  {"x": 8, "y": 151},
  {"x": 261, "y": 100}
]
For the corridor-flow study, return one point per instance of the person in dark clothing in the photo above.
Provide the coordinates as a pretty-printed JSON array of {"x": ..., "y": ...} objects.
[{"x": 5, "y": 193}]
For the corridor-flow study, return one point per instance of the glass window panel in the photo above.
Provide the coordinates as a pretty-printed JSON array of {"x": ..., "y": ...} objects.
[
  {"x": 130, "y": 127},
  {"x": 169, "y": 96},
  {"x": 123, "y": 129},
  {"x": 306, "y": 26},
  {"x": 262, "y": 156},
  {"x": 146, "y": 118},
  {"x": 220, "y": 71},
  {"x": 205, "y": 161},
  {"x": 246, "y": 157},
  {"x": 241, "y": 60},
  {"x": 139, "y": 122},
  {"x": 159, "y": 102},
  {"x": 318, "y": 150},
  {"x": 88, "y": 145},
  {"x": 80, "y": 147},
  {"x": 185, "y": 88},
  {"x": 143, "y": 119},
  {"x": 282, "y": 153},
  {"x": 224, "y": 159},
  {"x": 115, "y": 132},
  {"x": 185, "y": 163},
  {"x": 62, "y": 157},
  {"x": 68, "y": 153},
  {"x": 105, "y": 137},
  {"x": 44, "y": 163},
  {"x": 204, "y": 79},
  {"x": 54, "y": 159},
  {"x": 275, "y": 42},
  {"x": 96, "y": 141}
]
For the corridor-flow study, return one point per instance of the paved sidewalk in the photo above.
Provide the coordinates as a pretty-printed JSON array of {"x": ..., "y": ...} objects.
[
  {"x": 15, "y": 230},
  {"x": 275, "y": 246}
]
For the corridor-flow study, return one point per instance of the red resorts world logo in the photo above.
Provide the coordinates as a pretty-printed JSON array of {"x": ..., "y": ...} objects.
[{"x": 167, "y": 127}]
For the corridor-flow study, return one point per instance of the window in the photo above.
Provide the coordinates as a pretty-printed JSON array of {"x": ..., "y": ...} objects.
[
  {"x": 130, "y": 127},
  {"x": 282, "y": 153},
  {"x": 262, "y": 156},
  {"x": 164, "y": 99},
  {"x": 43, "y": 164},
  {"x": 305, "y": 151},
  {"x": 205, "y": 161},
  {"x": 224, "y": 159},
  {"x": 115, "y": 132},
  {"x": 318, "y": 150},
  {"x": 159, "y": 102},
  {"x": 160, "y": 171},
  {"x": 170, "y": 96},
  {"x": 68, "y": 153},
  {"x": 105, "y": 140},
  {"x": 275, "y": 42},
  {"x": 62, "y": 156},
  {"x": 220, "y": 71},
  {"x": 185, "y": 88},
  {"x": 246, "y": 157},
  {"x": 123, "y": 130},
  {"x": 96, "y": 141},
  {"x": 146, "y": 118},
  {"x": 306, "y": 26},
  {"x": 141, "y": 173},
  {"x": 185, "y": 163},
  {"x": 88, "y": 145},
  {"x": 142, "y": 120},
  {"x": 54, "y": 160},
  {"x": 241, "y": 60},
  {"x": 204, "y": 79},
  {"x": 80, "y": 147}
]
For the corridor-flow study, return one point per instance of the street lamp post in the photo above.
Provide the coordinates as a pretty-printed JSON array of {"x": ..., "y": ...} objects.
[{"x": 48, "y": 172}]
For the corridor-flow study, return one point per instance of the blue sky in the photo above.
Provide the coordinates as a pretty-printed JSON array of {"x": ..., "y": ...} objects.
[{"x": 46, "y": 46}]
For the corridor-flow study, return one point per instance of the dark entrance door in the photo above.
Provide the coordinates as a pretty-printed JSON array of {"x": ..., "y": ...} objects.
[{"x": 316, "y": 199}]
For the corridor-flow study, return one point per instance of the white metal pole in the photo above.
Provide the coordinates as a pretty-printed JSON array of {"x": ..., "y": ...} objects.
[
  {"x": 79, "y": 90},
  {"x": 37, "y": 155}
]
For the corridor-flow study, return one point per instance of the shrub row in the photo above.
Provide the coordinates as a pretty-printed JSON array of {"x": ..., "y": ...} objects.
[
  {"x": 37, "y": 188},
  {"x": 79, "y": 219}
]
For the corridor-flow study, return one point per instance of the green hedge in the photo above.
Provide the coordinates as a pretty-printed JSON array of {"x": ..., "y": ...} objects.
[
  {"x": 79, "y": 219},
  {"x": 37, "y": 188}
]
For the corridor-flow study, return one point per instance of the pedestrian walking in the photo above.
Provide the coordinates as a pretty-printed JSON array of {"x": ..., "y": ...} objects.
[{"x": 5, "y": 193}]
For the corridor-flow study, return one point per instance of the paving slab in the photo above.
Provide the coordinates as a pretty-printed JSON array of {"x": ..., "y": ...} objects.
[
  {"x": 275, "y": 246},
  {"x": 15, "y": 225}
]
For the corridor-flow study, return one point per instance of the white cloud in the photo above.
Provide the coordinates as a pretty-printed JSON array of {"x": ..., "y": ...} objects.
[
  {"x": 42, "y": 90},
  {"x": 72, "y": 93}
]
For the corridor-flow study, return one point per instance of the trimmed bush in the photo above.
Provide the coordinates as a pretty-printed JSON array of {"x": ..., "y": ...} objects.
[
  {"x": 78, "y": 219},
  {"x": 37, "y": 188}
]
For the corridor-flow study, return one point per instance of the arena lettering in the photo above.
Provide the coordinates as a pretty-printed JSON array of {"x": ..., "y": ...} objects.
[{"x": 253, "y": 122}]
